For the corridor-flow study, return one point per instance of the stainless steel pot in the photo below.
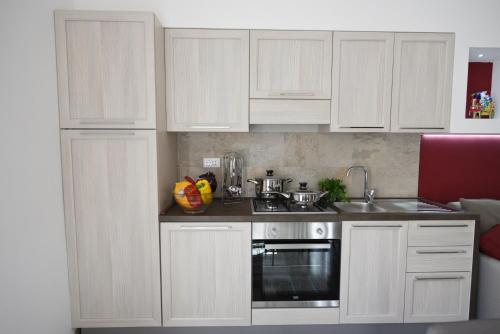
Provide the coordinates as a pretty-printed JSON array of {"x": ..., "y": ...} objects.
[
  {"x": 270, "y": 186},
  {"x": 303, "y": 196}
]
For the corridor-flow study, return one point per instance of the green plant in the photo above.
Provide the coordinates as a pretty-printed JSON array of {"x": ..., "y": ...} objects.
[{"x": 336, "y": 190}]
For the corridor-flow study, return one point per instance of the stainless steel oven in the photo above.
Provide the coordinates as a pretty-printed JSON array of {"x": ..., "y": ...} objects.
[{"x": 296, "y": 264}]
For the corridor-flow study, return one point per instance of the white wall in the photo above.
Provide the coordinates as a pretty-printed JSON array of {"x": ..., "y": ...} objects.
[
  {"x": 34, "y": 296},
  {"x": 495, "y": 86},
  {"x": 459, "y": 16}
]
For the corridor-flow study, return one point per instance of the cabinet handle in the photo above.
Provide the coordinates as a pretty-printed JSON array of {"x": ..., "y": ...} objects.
[
  {"x": 423, "y": 278},
  {"x": 107, "y": 133},
  {"x": 209, "y": 127},
  {"x": 395, "y": 225},
  {"x": 295, "y": 94},
  {"x": 296, "y": 246},
  {"x": 443, "y": 225},
  {"x": 206, "y": 228},
  {"x": 105, "y": 121},
  {"x": 440, "y": 252}
]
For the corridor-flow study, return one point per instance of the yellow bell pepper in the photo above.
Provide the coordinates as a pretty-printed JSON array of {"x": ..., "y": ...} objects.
[
  {"x": 205, "y": 191},
  {"x": 180, "y": 198}
]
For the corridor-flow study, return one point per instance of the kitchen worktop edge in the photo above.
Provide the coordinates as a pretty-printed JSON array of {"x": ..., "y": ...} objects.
[{"x": 242, "y": 212}]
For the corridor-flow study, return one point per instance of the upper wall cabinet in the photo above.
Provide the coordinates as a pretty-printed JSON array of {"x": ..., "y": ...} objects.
[
  {"x": 423, "y": 71},
  {"x": 290, "y": 77},
  {"x": 106, "y": 69},
  {"x": 362, "y": 81},
  {"x": 290, "y": 64},
  {"x": 207, "y": 79}
]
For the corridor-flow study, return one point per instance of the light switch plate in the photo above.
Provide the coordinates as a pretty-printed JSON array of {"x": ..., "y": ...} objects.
[{"x": 211, "y": 162}]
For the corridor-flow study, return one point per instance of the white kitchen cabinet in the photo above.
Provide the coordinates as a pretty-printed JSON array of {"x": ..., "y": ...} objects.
[
  {"x": 422, "y": 82},
  {"x": 439, "y": 267},
  {"x": 207, "y": 79},
  {"x": 290, "y": 64},
  {"x": 437, "y": 297},
  {"x": 372, "y": 276},
  {"x": 206, "y": 274},
  {"x": 441, "y": 233},
  {"x": 109, "y": 68},
  {"x": 111, "y": 213},
  {"x": 433, "y": 259},
  {"x": 362, "y": 81},
  {"x": 297, "y": 112}
]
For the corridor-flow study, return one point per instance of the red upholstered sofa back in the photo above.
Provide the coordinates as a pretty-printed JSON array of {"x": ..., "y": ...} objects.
[{"x": 455, "y": 166}]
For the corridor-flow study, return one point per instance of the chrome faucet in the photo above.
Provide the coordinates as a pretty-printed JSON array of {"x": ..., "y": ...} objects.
[{"x": 368, "y": 194}]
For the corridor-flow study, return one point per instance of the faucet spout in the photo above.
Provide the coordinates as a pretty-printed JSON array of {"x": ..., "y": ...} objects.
[{"x": 369, "y": 195}]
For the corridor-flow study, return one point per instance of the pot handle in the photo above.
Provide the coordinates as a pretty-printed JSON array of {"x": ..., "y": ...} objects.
[
  {"x": 322, "y": 194},
  {"x": 288, "y": 180},
  {"x": 286, "y": 195},
  {"x": 252, "y": 181}
]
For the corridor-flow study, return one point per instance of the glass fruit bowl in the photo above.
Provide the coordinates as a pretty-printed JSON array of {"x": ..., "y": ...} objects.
[
  {"x": 196, "y": 203},
  {"x": 193, "y": 197}
]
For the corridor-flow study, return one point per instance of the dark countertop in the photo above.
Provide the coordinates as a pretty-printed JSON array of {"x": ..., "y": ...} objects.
[{"x": 242, "y": 212}]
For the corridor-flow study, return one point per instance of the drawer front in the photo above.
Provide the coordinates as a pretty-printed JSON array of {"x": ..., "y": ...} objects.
[
  {"x": 441, "y": 233},
  {"x": 268, "y": 111},
  {"x": 437, "y": 297},
  {"x": 295, "y": 316},
  {"x": 432, "y": 259}
]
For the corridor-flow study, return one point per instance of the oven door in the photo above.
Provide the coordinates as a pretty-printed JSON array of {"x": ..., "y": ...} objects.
[{"x": 295, "y": 273}]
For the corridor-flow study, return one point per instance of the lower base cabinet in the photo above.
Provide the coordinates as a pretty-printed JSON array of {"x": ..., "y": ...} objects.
[
  {"x": 372, "y": 274},
  {"x": 385, "y": 281},
  {"x": 206, "y": 274},
  {"x": 437, "y": 297}
]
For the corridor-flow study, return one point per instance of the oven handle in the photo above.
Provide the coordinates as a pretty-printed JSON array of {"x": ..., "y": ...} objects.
[{"x": 296, "y": 246}]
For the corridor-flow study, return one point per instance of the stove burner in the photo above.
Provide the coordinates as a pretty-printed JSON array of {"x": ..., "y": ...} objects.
[
  {"x": 260, "y": 205},
  {"x": 270, "y": 205}
]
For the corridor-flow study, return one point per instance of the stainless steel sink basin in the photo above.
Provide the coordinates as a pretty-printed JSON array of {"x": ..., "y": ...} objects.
[
  {"x": 359, "y": 207},
  {"x": 390, "y": 205}
]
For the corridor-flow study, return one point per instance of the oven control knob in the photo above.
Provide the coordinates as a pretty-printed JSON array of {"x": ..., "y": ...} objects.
[{"x": 319, "y": 230}]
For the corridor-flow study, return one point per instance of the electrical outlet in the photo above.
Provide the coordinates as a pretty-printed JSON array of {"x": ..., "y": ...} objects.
[{"x": 211, "y": 162}]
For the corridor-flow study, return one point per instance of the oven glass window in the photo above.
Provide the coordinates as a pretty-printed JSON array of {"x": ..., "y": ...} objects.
[{"x": 296, "y": 271}]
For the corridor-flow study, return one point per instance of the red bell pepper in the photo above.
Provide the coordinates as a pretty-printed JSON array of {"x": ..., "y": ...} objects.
[{"x": 192, "y": 193}]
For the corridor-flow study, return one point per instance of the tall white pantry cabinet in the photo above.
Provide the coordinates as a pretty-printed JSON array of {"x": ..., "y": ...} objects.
[{"x": 117, "y": 162}]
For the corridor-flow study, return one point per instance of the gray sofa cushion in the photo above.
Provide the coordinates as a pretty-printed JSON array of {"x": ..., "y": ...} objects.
[
  {"x": 487, "y": 209},
  {"x": 466, "y": 327}
]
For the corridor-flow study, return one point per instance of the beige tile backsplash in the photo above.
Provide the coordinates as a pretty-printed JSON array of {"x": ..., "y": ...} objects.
[{"x": 392, "y": 159}]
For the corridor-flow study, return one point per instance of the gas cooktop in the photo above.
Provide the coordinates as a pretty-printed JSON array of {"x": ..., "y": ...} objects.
[{"x": 279, "y": 206}]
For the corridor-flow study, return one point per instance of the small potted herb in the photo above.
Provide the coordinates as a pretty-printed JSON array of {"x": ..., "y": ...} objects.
[{"x": 336, "y": 191}]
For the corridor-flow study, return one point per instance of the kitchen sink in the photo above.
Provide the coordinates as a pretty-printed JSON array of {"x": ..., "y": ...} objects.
[
  {"x": 359, "y": 207},
  {"x": 390, "y": 205}
]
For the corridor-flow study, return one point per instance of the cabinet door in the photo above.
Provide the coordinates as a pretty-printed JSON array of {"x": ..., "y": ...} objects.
[
  {"x": 112, "y": 233},
  {"x": 423, "y": 71},
  {"x": 206, "y": 274},
  {"x": 362, "y": 81},
  {"x": 207, "y": 79},
  {"x": 437, "y": 297},
  {"x": 372, "y": 281},
  {"x": 290, "y": 64},
  {"x": 106, "y": 69}
]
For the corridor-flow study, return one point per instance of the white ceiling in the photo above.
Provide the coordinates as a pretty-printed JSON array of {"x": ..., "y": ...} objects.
[{"x": 489, "y": 55}]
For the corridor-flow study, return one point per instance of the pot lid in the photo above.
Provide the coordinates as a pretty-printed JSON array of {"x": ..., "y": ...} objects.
[
  {"x": 270, "y": 176},
  {"x": 303, "y": 189}
]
